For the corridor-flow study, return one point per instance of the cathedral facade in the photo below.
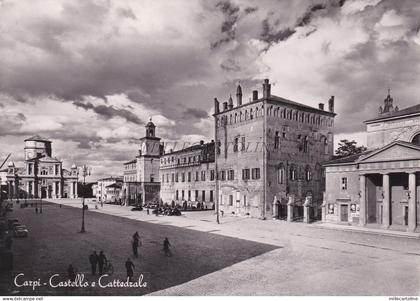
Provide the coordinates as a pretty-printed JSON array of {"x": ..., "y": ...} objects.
[
  {"x": 42, "y": 175},
  {"x": 380, "y": 186}
]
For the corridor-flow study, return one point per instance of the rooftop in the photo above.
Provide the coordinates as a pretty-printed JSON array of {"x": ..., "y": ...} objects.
[{"x": 37, "y": 138}]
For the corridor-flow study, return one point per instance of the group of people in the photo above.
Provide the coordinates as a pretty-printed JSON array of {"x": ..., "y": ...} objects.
[
  {"x": 97, "y": 260},
  {"x": 100, "y": 261}
]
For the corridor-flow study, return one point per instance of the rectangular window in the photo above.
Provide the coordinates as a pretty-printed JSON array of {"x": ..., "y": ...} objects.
[
  {"x": 196, "y": 195},
  {"x": 183, "y": 194},
  {"x": 183, "y": 177},
  {"x": 189, "y": 195},
  {"x": 176, "y": 177},
  {"x": 211, "y": 175},
  {"x": 189, "y": 176},
  {"x": 163, "y": 178},
  {"x": 223, "y": 175},
  {"x": 255, "y": 173},
  {"x": 177, "y": 195},
  {"x": 230, "y": 200},
  {"x": 197, "y": 178},
  {"x": 173, "y": 176},
  {"x": 244, "y": 200},
  {"x": 243, "y": 143},
  {"x": 218, "y": 147},
  {"x": 167, "y": 177},
  {"x": 231, "y": 174},
  {"x": 203, "y": 196},
  {"x": 211, "y": 196},
  {"x": 236, "y": 145},
  {"x": 343, "y": 183},
  {"x": 245, "y": 174},
  {"x": 203, "y": 175}
]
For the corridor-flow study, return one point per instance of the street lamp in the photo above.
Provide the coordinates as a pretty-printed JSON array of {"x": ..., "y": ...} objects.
[{"x": 86, "y": 172}]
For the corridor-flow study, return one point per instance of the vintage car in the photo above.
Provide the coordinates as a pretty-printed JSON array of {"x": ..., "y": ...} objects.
[{"x": 20, "y": 231}]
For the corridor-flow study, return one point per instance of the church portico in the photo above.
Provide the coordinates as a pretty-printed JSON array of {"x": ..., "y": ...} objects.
[
  {"x": 389, "y": 199},
  {"x": 376, "y": 188}
]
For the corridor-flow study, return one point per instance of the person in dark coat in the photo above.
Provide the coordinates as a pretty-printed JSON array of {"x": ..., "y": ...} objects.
[
  {"x": 93, "y": 259},
  {"x": 71, "y": 273},
  {"x": 166, "y": 246},
  {"x": 101, "y": 262},
  {"x": 135, "y": 245},
  {"x": 129, "y": 266}
]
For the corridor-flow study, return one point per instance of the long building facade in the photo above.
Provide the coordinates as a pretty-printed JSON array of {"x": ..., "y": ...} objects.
[
  {"x": 42, "y": 175},
  {"x": 380, "y": 186},
  {"x": 269, "y": 155},
  {"x": 188, "y": 176}
]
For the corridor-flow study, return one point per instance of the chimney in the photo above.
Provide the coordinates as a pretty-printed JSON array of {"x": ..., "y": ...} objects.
[
  {"x": 321, "y": 106},
  {"x": 216, "y": 106},
  {"x": 255, "y": 95},
  {"x": 239, "y": 95},
  {"x": 266, "y": 89},
  {"x": 230, "y": 106},
  {"x": 331, "y": 104},
  {"x": 225, "y": 106}
]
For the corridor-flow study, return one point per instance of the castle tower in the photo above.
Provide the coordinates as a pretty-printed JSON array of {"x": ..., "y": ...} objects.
[{"x": 148, "y": 163}]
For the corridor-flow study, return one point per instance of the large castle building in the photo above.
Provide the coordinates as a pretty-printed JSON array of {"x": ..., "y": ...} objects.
[
  {"x": 269, "y": 155},
  {"x": 379, "y": 186},
  {"x": 266, "y": 161},
  {"x": 42, "y": 175}
]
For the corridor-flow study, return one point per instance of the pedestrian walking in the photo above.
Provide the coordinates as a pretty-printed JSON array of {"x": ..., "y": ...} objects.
[
  {"x": 135, "y": 245},
  {"x": 101, "y": 262},
  {"x": 166, "y": 246},
  {"x": 71, "y": 273},
  {"x": 129, "y": 266},
  {"x": 93, "y": 259},
  {"x": 148, "y": 212},
  {"x": 136, "y": 236}
]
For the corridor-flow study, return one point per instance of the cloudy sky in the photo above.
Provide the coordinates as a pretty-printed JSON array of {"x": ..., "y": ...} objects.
[{"x": 88, "y": 74}]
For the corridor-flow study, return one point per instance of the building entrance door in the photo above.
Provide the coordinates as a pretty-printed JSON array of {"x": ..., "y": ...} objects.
[
  {"x": 344, "y": 213},
  {"x": 405, "y": 215},
  {"x": 43, "y": 192}
]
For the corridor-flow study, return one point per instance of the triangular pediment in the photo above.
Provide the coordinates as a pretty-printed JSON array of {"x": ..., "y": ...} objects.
[{"x": 395, "y": 151}]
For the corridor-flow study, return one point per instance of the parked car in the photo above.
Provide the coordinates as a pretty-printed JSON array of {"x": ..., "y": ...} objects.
[
  {"x": 20, "y": 231},
  {"x": 137, "y": 208},
  {"x": 15, "y": 224}
]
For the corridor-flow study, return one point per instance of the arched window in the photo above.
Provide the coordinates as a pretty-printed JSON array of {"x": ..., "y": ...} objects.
[
  {"x": 236, "y": 117},
  {"x": 416, "y": 139},
  {"x": 292, "y": 173},
  {"x": 308, "y": 173},
  {"x": 305, "y": 144},
  {"x": 256, "y": 112},
  {"x": 280, "y": 173},
  {"x": 325, "y": 142},
  {"x": 251, "y": 115}
]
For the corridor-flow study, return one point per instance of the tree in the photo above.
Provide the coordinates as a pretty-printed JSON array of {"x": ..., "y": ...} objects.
[{"x": 348, "y": 148}]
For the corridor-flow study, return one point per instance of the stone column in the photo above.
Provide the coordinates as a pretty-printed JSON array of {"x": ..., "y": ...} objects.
[
  {"x": 386, "y": 202},
  {"x": 290, "y": 209},
  {"x": 59, "y": 190},
  {"x": 75, "y": 190},
  {"x": 15, "y": 189},
  {"x": 324, "y": 211},
  {"x": 9, "y": 189},
  {"x": 412, "y": 214},
  {"x": 275, "y": 209},
  {"x": 362, "y": 204},
  {"x": 28, "y": 185},
  {"x": 70, "y": 184}
]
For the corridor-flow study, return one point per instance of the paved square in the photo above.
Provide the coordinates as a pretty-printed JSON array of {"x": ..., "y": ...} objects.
[{"x": 54, "y": 243}]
